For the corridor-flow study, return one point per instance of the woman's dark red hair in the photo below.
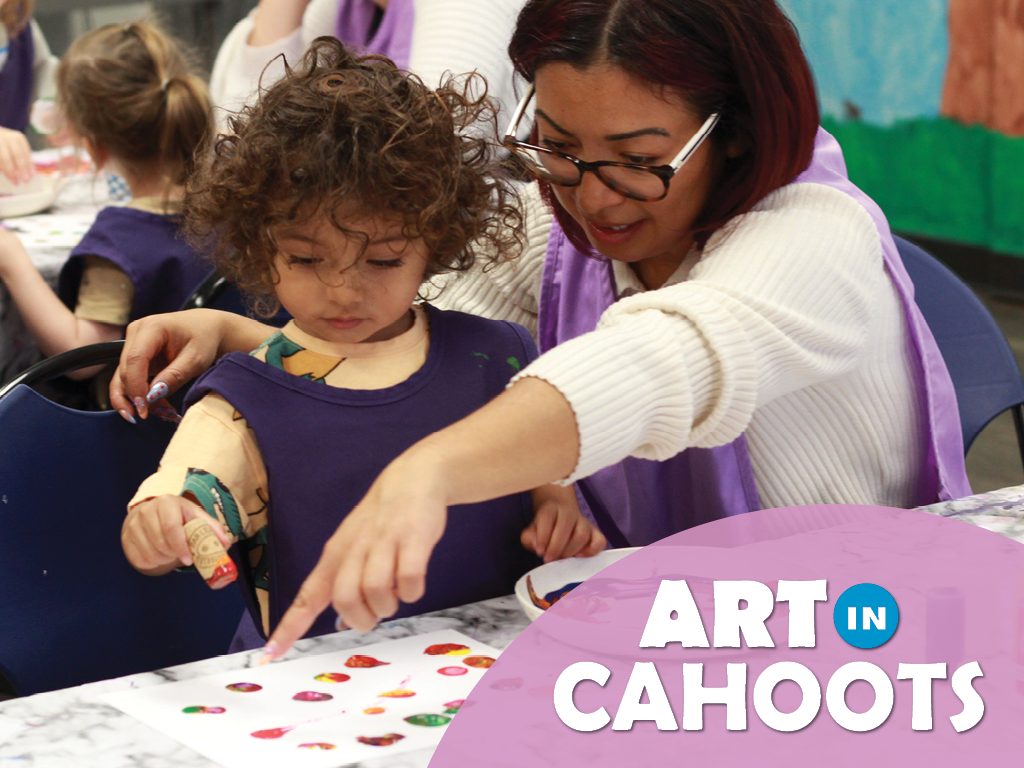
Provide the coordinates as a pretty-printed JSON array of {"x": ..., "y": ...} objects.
[{"x": 740, "y": 58}]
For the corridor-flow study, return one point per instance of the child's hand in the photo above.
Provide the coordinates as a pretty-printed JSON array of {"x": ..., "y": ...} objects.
[
  {"x": 153, "y": 534},
  {"x": 15, "y": 156},
  {"x": 559, "y": 529}
]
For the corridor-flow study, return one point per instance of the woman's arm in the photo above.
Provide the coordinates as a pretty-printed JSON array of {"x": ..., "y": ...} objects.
[
  {"x": 524, "y": 438},
  {"x": 54, "y": 327},
  {"x": 178, "y": 347},
  {"x": 248, "y": 54}
]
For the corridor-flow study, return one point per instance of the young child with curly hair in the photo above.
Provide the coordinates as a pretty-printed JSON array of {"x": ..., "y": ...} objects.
[
  {"x": 338, "y": 195},
  {"x": 129, "y": 95}
]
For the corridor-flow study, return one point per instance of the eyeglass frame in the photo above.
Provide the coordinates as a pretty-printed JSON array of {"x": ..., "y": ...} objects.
[{"x": 663, "y": 172}]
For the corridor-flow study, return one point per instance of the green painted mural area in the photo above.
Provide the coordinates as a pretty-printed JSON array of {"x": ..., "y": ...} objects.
[{"x": 941, "y": 179}]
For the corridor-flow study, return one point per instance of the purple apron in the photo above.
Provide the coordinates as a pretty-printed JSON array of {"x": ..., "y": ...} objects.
[
  {"x": 148, "y": 247},
  {"x": 393, "y": 38},
  {"x": 638, "y": 501},
  {"x": 16, "y": 81},
  {"x": 324, "y": 446}
]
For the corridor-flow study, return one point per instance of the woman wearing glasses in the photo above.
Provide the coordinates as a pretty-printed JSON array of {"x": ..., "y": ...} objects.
[{"x": 724, "y": 319}]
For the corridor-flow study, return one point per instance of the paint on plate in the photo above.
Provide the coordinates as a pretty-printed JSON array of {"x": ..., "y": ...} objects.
[
  {"x": 204, "y": 710},
  {"x": 452, "y": 671},
  {"x": 373, "y": 710},
  {"x": 478, "y": 662},
  {"x": 398, "y": 693},
  {"x": 447, "y": 649},
  {"x": 244, "y": 687},
  {"x": 317, "y": 745},
  {"x": 429, "y": 721},
  {"x": 365, "y": 661},
  {"x": 332, "y": 677},
  {"x": 272, "y": 733},
  {"x": 312, "y": 696},
  {"x": 380, "y": 741}
]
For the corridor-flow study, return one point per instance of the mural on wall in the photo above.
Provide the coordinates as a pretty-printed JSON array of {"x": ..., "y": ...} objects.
[{"x": 927, "y": 99}]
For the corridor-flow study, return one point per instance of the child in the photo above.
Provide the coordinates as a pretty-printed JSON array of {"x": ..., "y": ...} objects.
[
  {"x": 26, "y": 74},
  {"x": 337, "y": 195},
  {"x": 127, "y": 93}
]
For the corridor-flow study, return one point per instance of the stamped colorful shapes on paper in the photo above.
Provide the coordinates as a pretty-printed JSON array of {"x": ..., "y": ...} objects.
[
  {"x": 380, "y": 741},
  {"x": 447, "y": 649},
  {"x": 451, "y": 707},
  {"x": 244, "y": 687},
  {"x": 365, "y": 662},
  {"x": 272, "y": 733},
  {"x": 478, "y": 662},
  {"x": 452, "y": 671},
  {"x": 332, "y": 677},
  {"x": 204, "y": 710},
  {"x": 398, "y": 693},
  {"x": 312, "y": 696},
  {"x": 373, "y": 710},
  {"x": 430, "y": 721},
  {"x": 317, "y": 745}
]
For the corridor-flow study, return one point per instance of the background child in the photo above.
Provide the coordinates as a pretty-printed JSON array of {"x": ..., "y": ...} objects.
[
  {"x": 128, "y": 94},
  {"x": 26, "y": 74},
  {"x": 339, "y": 193}
]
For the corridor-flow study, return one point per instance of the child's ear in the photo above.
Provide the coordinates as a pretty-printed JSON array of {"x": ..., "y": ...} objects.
[{"x": 97, "y": 154}]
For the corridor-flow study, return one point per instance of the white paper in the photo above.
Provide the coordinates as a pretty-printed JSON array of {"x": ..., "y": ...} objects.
[
  {"x": 226, "y": 738},
  {"x": 52, "y": 230}
]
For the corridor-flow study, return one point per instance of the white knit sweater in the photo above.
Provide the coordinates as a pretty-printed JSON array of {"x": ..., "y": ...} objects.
[
  {"x": 449, "y": 36},
  {"x": 787, "y": 327}
]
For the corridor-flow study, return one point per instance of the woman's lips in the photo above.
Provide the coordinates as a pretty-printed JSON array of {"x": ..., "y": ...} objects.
[
  {"x": 344, "y": 323},
  {"x": 613, "y": 234}
]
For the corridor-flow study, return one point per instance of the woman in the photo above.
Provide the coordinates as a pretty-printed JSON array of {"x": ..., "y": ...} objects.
[
  {"x": 427, "y": 37},
  {"x": 755, "y": 337}
]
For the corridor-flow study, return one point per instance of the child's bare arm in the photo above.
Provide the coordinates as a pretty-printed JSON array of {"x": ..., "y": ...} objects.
[
  {"x": 153, "y": 534},
  {"x": 54, "y": 327},
  {"x": 559, "y": 529}
]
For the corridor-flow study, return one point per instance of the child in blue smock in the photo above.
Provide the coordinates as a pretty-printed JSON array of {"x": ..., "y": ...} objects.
[
  {"x": 339, "y": 195},
  {"x": 26, "y": 74},
  {"x": 129, "y": 96}
]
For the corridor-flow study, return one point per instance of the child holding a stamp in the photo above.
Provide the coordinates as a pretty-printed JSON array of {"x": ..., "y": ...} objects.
[{"x": 339, "y": 195}]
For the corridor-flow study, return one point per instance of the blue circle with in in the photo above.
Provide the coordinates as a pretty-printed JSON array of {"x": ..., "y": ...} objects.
[{"x": 866, "y": 616}]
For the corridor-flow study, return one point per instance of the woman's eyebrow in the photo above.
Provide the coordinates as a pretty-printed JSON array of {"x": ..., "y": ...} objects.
[
  {"x": 613, "y": 137},
  {"x": 634, "y": 134},
  {"x": 556, "y": 126}
]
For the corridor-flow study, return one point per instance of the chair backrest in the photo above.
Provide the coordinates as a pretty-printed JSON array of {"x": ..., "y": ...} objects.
[
  {"x": 216, "y": 292},
  {"x": 984, "y": 370},
  {"x": 72, "y": 610}
]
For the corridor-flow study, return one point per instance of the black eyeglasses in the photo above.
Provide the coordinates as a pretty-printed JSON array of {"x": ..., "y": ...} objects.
[{"x": 645, "y": 183}]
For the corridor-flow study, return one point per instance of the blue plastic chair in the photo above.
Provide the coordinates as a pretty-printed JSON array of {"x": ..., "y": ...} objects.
[
  {"x": 984, "y": 370},
  {"x": 72, "y": 610}
]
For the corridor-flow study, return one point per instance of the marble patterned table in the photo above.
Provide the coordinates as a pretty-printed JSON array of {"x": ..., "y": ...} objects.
[{"x": 72, "y": 727}]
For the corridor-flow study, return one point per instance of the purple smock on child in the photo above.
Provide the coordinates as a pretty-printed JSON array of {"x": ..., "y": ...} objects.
[
  {"x": 324, "y": 446},
  {"x": 148, "y": 247},
  {"x": 17, "y": 79}
]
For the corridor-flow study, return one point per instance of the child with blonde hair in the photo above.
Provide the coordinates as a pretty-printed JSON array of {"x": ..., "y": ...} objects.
[
  {"x": 129, "y": 95},
  {"x": 338, "y": 195}
]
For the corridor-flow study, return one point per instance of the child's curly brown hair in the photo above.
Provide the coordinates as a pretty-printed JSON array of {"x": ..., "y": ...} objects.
[{"x": 355, "y": 130}]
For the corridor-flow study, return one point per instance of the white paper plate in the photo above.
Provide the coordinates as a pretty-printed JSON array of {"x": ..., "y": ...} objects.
[
  {"x": 36, "y": 194},
  {"x": 551, "y": 576}
]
